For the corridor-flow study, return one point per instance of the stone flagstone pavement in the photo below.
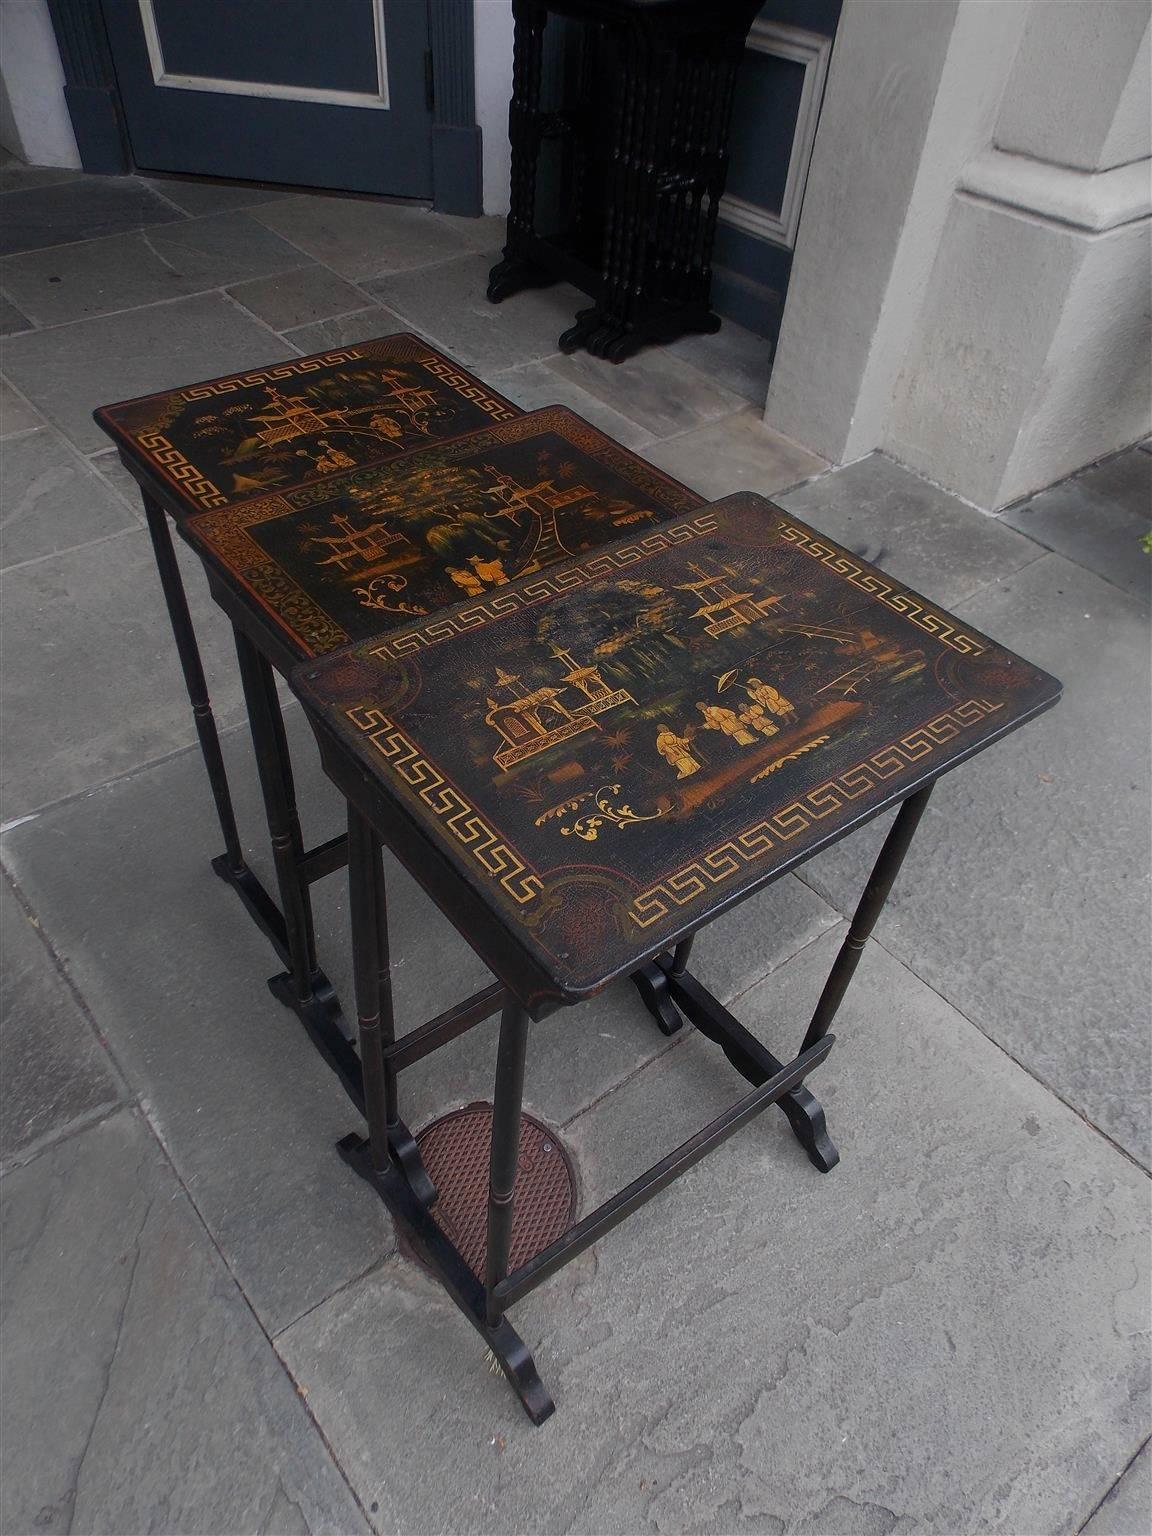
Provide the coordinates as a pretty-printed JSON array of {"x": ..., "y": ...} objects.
[{"x": 207, "y": 1326}]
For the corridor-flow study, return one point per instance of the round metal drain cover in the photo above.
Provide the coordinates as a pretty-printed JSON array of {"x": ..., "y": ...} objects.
[{"x": 455, "y": 1151}]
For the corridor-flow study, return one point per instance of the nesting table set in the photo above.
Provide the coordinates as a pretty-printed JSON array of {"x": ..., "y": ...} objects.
[{"x": 589, "y": 714}]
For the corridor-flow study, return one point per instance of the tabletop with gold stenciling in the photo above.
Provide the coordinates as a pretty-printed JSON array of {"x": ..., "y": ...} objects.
[
  {"x": 366, "y": 550},
  {"x": 609, "y": 752},
  {"x": 223, "y": 440}
]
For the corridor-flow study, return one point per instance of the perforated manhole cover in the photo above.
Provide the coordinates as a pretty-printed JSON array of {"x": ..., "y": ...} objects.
[{"x": 455, "y": 1151}]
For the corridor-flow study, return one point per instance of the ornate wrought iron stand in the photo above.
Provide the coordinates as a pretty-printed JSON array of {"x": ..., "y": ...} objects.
[{"x": 646, "y": 124}]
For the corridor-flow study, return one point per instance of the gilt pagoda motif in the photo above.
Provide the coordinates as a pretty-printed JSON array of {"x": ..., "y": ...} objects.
[
  {"x": 530, "y": 721},
  {"x": 290, "y": 416},
  {"x": 599, "y": 696},
  {"x": 541, "y": 501},
  {"x": 362, "y": 551},
  {"x": 721, "y": 608}
]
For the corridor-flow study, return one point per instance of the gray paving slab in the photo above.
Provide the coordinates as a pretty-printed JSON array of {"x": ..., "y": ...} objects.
[
  {"x": 108, "y": 465},
  {"x": 925, "y": 537},
  {"x": 533, "y": 385},
  {"x": 661, "y": 392},
  {"x": 737, "y": 453},
  {"x": 56, "y": 1073},
  {"x": 79, "y": 209},
  {"x": 92, "y": 684},
  {"x": 68, "y": 371},
  {"x": 1127, "y": 1511},
  {"x": 16, "y": 415},
  {"x": 95, "y": 277},
  {"x": 483, "y": 234},
  {"x": 91, "y": 277},
  {"x": 51, "y": 499},
  {"x": 942, "y": 1336},
  {"x": 175, "y": 977},
  {"x": 201, "y": 197},
  {"x": 734, "y": 356},
  {"x": 446, "y": 302},
  {"x": 1098, "y": 519},
  {"x": 360, "y": 238},
  {"x": 140, "y": 1394},
  {"x": 360, "y": 325},
  {"x": 1024, "y": 899},
  {"x": 224, "y": 248},
  {"x": 15, "y": 176},
  {"x": 297, "y": 298},
  {"x": 12, "y": 319}
]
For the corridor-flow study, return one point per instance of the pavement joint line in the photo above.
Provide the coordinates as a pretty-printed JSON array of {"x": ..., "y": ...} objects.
[
  {"x": 243, "y": 309},
  {"x": 685, "y": 1032},
  {"x": 134, "y": 1106},
  {"x": 682, "y": 1034},
  {"x": 787, "y": 960},
  {"x": 120, "y": 778},
  {"x": 370, "y": 301},
  {"x": 375, "y": 1267},
  {"x": 1128, "y": 1465},
  {"x": 65, "y": 1133},
  {"x": 119, "y": 1076},
  {"x": 297, "y": 1389},
  {"x": 134, "y": 309},
  {"x": 71, "y": 549},
  {"x": 1015, "y": 1060},
  {"x": 1047, "y": 549}
]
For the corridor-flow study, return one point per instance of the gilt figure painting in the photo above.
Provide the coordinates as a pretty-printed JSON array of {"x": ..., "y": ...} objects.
[{"x": 367, "y": 550}]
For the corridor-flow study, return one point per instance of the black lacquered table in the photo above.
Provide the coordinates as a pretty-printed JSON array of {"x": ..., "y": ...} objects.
[
  {"x": 291, "y": 427},
  {"x": 589, "y": 765}
]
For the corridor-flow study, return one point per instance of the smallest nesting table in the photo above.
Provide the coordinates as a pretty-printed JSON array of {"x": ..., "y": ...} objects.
[{"x": 587, "y": 766}]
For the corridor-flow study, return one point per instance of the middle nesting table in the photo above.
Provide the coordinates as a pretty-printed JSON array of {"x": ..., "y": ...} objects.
[{"x": 306, "y": 570}]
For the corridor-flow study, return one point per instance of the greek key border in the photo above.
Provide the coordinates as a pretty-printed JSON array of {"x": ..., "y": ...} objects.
[
  {"x": 726, "y": 859},
  {"x": 197, "y": 486},
  {"x": 500, "y": 860},
  {"x": 192, "y": 481},
  {"x": 497, "y": 858},
  {"x": 868, "y": 579},
  {"x": 225, "y": 532},
  {"x": 270, "y": 375}
]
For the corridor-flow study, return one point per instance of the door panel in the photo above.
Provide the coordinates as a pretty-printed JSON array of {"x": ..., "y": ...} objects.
[
  {"x": 283, "y": 42},
  {"x": 325, "y": 95},
  {"x": 774, "y": 118}
]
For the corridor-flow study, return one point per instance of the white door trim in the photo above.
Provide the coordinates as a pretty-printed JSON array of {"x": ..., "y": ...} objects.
[
  {"x": 268, "y": 90},
  {"x": 812, "y": 51}
]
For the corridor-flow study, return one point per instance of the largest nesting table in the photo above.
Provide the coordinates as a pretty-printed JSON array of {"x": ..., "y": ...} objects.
[{"x": 586, "y": 769}]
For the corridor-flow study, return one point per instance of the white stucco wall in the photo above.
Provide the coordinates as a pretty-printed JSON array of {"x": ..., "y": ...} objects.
[
  {"x": 958, "y": 299},
  {"x": 1011, "y": 384},
  {"x": 35, "y": 125},
  {"x": 1068, "y": 79},
  {"x": 493, "y": 31}
]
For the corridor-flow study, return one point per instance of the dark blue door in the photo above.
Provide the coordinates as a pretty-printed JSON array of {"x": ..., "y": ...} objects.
[
  {"x": 778, "y": 98},
  {"x": 322, "y": 93}
]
